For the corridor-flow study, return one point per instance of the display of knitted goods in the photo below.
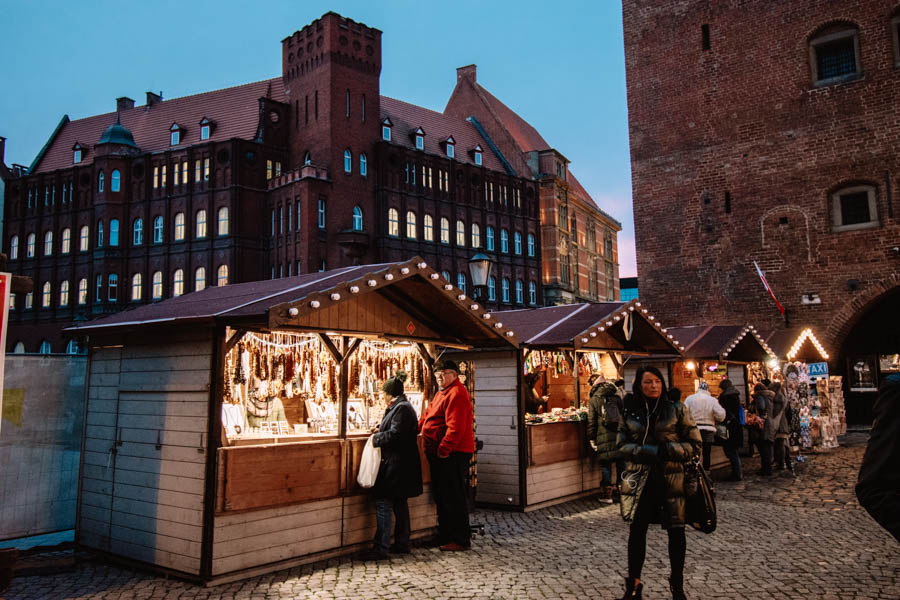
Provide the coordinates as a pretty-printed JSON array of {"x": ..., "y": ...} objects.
[{"x": 805, "y": 438}]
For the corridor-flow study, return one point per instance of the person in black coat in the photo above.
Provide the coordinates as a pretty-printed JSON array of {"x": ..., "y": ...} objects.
[
  {"x": 878, "y": 487},
  {"x": 730, "y": 400},
  {"x": 400, "y": 474}
]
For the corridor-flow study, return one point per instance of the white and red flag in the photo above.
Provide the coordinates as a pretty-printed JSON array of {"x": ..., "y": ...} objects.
[{"x": 768, "y": 288}]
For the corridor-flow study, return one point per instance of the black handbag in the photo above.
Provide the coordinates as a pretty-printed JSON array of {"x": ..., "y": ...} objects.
[{"x": 700, "y": 497}]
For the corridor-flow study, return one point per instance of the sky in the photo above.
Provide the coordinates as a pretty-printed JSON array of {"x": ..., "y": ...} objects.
[{"x": 559, "y": 65}]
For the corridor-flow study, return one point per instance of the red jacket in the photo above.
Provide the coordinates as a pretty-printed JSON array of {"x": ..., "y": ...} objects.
[{"x": 447, "y": 425}]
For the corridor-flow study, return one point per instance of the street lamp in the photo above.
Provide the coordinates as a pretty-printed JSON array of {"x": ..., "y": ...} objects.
[{"x": 479, "y": 271}]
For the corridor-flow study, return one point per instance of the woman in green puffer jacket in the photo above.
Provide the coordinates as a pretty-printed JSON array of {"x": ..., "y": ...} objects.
[{"x": 656, "y": 437}]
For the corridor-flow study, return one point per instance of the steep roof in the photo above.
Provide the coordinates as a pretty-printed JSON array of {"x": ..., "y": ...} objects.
[
  {"x": 740, "y": 343},
  {"x": 406, "y": 118},
  {"x": 235, "y": 111}
]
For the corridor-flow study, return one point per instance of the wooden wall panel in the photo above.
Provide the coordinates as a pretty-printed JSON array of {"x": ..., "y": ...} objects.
[{"x": 555, "y": 442}]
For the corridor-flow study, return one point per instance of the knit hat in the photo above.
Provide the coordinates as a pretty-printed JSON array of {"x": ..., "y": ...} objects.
[
  {"x": 393, "y": 387},
  {"x": 606, "y": 389},
  {"x": 725, "y": 384},
  {"x": 703, "y": 386}
]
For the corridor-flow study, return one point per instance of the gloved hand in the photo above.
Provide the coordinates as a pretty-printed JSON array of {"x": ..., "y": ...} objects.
[
  {"x": 646, "y": 454},
  {"x": 593, "y": 445}
]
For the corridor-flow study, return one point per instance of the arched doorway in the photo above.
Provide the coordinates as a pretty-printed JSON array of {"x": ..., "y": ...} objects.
[{"x": 870, "y": 351}]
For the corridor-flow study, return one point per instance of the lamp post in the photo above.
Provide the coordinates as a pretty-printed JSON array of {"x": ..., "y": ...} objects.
[{"x": 479, "y": 271}]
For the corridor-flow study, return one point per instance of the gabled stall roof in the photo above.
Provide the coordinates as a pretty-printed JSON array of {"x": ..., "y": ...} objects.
[
  {"x": 615, "y": 326},
  {"x": 798, "y": 343},
  {"x": 738, "y": 343},
  {"x": 431, "y": 309}
]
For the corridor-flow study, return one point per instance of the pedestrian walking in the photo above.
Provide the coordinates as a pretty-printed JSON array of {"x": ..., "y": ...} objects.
[
  {"x": 400, "y": 473},
  {"x": 878, "y": 486},
  {"x": 656, "y": 437},
  {"x": 705, "y": 412},
  {"x": 782, "y": 427},
  {"x": 730, "y": 400},
  {"x": 447, "y": 429},
  {"x": 764, "y": 399},
  {"x": 604, "y": 408}
]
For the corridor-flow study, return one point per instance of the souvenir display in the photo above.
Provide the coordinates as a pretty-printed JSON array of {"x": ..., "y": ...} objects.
[{"x": 550, "y": 383}]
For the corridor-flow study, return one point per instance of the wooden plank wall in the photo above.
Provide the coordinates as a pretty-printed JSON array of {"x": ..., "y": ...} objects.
[
  {"x": 145, "y": 500},
  {"x": 497, "y": 422},
  {"x": 631, "y": 370},
  {"x": 562, "y": 479}
]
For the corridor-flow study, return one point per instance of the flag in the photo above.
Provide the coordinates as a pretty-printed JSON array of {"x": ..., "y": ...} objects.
[{"x": 768, "y": 289}]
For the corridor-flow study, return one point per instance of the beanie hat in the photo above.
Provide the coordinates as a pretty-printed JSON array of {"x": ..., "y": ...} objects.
[
  {"x": 703, "y": 386},
  {"x": 607, "y": 389},
  {"x": 725, "y": 384},
  {"x": 393, "y": 387}
]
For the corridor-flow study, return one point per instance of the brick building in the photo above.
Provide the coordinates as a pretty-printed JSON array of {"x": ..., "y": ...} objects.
[
  {"x": 308, "y": 171},
  {"x": 764, "y": 131}
]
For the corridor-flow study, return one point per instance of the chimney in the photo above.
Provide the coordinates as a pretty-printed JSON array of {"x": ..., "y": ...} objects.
[
  {"x": 467, "y": 72},
  {"x": 124, "y": 103},
  {"x": 153, "y": 98},
  {"x": 2, "y": 148}
]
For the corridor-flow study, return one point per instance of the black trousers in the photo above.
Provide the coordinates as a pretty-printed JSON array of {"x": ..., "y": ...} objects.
[
  {"x": 765, "y": 456},
  {"x": 783, "y": 454},
  {"x": 650, "y": 506},
  {"x": 449, "y": 484}
]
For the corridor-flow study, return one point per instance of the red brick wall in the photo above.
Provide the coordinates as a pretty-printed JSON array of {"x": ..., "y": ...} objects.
[{"x": 745, "y": 119}]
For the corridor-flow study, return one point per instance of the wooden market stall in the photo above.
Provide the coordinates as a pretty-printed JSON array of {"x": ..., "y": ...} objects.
[
  {"x": 225, "y": 427},
  {"x": 532, "y": 460}
]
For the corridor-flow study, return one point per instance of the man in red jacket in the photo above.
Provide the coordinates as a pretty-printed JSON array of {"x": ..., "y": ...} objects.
[{"x": 447, "y": 429}]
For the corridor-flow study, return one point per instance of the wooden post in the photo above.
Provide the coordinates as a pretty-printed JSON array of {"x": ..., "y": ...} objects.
[
  {"x": 577, "y": 380},
  {"x": 343, "y": 391}
]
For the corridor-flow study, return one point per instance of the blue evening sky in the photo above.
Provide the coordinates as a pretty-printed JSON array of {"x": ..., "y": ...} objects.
[{"x": 560, "y": 65}]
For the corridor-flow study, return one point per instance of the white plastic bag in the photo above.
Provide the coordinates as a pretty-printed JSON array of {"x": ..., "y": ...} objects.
[{"x": 368, "y": 464}]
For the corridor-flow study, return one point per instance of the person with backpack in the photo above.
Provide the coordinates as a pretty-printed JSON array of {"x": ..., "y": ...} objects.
[{"x": 604, "y": 408}]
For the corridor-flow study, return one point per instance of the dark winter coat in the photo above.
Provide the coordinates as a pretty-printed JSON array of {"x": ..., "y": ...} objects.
[
  {"x": 603, "y": 424},
  {"x": 878, "y": 488},
  {"x": 764, "y": 401},
  {"x": 400, "y": 473},
  {"x": 673, "y": 441},
  {"x": 730, "y": 399},
  {"x": 776, "y": 413}
]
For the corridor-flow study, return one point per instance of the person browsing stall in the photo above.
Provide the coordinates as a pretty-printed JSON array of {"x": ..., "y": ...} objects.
[
  {"x": 449, "y": 436},
  {"x": 705, "y": 411}
]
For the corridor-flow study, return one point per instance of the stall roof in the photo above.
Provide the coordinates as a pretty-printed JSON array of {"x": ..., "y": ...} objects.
[
  {"x": 739, "y": 343},
  {"x": 590, "y": 326},
  {"x": 408, "y": 294},
  {"x": 798, "y": 343}
]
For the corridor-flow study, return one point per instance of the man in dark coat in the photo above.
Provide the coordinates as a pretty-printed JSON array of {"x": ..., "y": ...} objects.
[
  {"x": 604, "y": 408},
  {"x": 730, "y": 399},
  {"x": 764, "y": 400},
  {"x": 878, "y": 488},
  {"x": 400, "y": 473}
]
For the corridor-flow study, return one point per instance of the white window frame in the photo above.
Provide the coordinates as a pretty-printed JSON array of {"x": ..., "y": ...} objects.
[
  {"x": 420, "y": 142},
  {"x": 137, "y": 287},
  {"x": 357, "y": 218},
  {"x": 393, "y": 222},
  {"x": 411, "y": 225},
  {"x": 478, "y": 158},
  {"x": 363, "y": 165},
  {"x": 84, "y": 239},
  {"x": 14, "y": 248},
  {"x": 445, "y": 230},
  {"x": 76, "y": 156},
  {"x": 178, "y": 283},
  {"x": 137, "y": 232},
  {"x": 222, "y": 276},
  {"x": 428, "y": 228},
  {"x": 174, "y": 137},
  {"x": 222, "y": 221},
  {"x": 386, "y": 133},
  {"x": 204, "y": 132},
  {"x": 179, "y": 227},
  {"x": 157, "y": 290},
  {"x": 82, "y": 291},
  {"x": 348, "y": 161},
  {"x": 115, "y": 181},
  {"x": 200, "y": 223},
  {"x": 451, "y": 152},
  {"x": 199, "y": 279}
]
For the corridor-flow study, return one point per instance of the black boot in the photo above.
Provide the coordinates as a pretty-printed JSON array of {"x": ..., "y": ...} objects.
[
  {"x": 632, "y": 589},
  {"x": 677, "y": 588}
]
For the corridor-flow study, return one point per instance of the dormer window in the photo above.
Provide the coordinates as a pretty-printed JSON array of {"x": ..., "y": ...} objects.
[
  {"x": 175, "y": 133},
  {"x": 206, "y": 128},
  {"x": 386, "y": 130},
  {"x": 477, "y": 153},
  {"x": 450, "y": 147},
  {"x": 419, "y": 135},
  {"x": 76, "y": 154}
]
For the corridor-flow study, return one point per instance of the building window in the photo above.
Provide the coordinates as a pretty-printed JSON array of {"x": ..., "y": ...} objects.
[
  {"x": 14, "y": 247},
  {"x": 174, "y": 136},
  {"x": 517, "y": 242},
  {"x": 348, "y": 161},
  {"x": 113, "y": 285},
  {"x": 197, "y": 172},
  {"x": 854, "y": 208},
  {"x": 562, "y": 217},
  {"x": 504, "y": 241},
  {"x": 45, "y": 347},
  {"x": 157, "y": 229},
  {"x": 445, "y": 230},
  {"x": 504, "y": 290},
  {"x": 29, "y": 300},
  {"x": 461, "y": 281},
  {"x": 204, "y": 132},
  {"x": 200, "y": 222},
  {"x": 321, "y": 221},
  {"x": 162, "y": 177},
  {"x": 155, "y": 177},
  {"x": 76, "y": 156},
  {"x": 176, "y": 174},
  {"x": 451, "y": 150},
  {"x": 222, "y": 221},
  {"x": 420, "y": 142},
  {"x": 72, "y": 347},
  {"x": 564, "y": 268},
  {"x": 100, "y": 179},
  {"x": 460, "y": 233},
  {"x": 532, "y": 293},
  {"x": 428, "y": 225},
  {"x": 489, "y": 234},
  {"x": 410, "y": 225},
  {"x": 99, "y": 234},
  {"x": 357, "y": 218},
  {"x": 530, "y": 244},
  {"x": 82, "y": 291},
  {"x": 29, "y": 245},
  {"x": 393, "y": 223},
  {"x": 84, "y": 239},
  {"x": 157, "y": 285},
  {"x": 66, "y": 244},
  {"x": 199, "y": 279},
  {"x": 179, "y": 227},
  {"x": 115, "y": 181},
  {"x": 476, "y": 235},
  {"x": 98, "y": 289},
  {"x": 222, "y": 276},
  {"x": 206, "y": 169},
  {"x": 386, "y": 133},
  {"x": 48, "y": 243},
  {"x": 492, "y": 288},
  {"x": 363, "y": 166},
  {"x": 136, "y": 287},
  {"x": 64, "y": 293},
  {"x": 446, "y": 275},
  {"x": 478, "y": 158},
  {"x": 520, "y": 292},
  {"x": 137, "y": 232},
  {"x": 177, "y": 283},
  {"x": 834, "y": 55},
  {"x": 113, "y": 232}
]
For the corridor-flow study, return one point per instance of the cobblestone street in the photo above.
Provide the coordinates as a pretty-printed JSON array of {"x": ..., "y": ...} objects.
[{"x": 778, "y": 538}]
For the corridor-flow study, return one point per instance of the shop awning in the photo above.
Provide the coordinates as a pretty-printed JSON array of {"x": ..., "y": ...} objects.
[
  {"x": 736, "y": 343},
  {"x": 798, "y": 343},
  {"x": 406, "y": 300},
  {"x": 603, "y": 326}
]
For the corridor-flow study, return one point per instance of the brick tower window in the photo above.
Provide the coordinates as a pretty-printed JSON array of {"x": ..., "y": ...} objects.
[
  {"x": 854, "y": 208},
  {"x": 834, "y": 55}
]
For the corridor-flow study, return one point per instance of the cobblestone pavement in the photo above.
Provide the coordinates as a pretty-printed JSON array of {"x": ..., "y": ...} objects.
[{"x": 778, "y": 538}]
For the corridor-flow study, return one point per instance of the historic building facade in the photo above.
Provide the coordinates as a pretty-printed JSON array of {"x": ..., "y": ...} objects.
[
  {"x": 766, "y": 132},
  {"x": 312, "y": 170}
]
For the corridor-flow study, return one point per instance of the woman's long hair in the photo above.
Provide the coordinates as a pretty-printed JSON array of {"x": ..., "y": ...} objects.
[{"x": 636, "y": 386}]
